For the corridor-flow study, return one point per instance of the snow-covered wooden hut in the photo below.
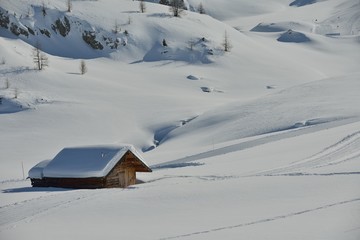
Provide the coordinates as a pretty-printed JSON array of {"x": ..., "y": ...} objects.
[{"x": 90, "y": 167}]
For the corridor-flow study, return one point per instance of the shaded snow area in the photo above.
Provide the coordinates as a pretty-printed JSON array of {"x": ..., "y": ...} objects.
[
  {"x": 261, "y": 141},
  {"x": 291, "y": 36},
  {"x": 300, "y": 3}
]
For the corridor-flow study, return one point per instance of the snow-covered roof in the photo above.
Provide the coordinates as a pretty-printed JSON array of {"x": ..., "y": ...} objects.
[
  {"x": 37, "y": 171},
  {"x": 83, "y": 162}
]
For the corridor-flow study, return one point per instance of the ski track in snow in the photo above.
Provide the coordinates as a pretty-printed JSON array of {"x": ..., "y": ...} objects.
[
  {"x": 264, "y": 220},
  {"x": 203, "y": 178},
  {"x": 29, "y": 210},
  {"x": 345, "y": 150},
  {"x": 268, "y": 139}
]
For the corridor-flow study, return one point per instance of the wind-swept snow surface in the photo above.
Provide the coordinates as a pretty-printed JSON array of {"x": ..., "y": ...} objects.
[{"x": 261, "y": 142}]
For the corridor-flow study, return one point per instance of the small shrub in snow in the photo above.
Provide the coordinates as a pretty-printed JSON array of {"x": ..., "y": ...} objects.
[
  {"x": 16, "y": 93},
  {"x": 142, "y": 6},
  {"x": 83, "y": 68},
  {"x": 201, "y": 9},
  {"x": 191, "y": 44},
  {"x": 117, "y": 28},
  {"x": 29, "y": 12},
  {"x": 164, "y": 43},
  {"x": 43, "y": 9},
  {"x": 69, "y": 5},
  {"x": 164, "y": 2},
  {"x": 177, "y": 7},
  {"x": 226, "y": 42},
  {"x": 7, "y": 83}
]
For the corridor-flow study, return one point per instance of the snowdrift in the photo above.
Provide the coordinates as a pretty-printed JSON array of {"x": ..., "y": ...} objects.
[{"x": 301, "y": 106}]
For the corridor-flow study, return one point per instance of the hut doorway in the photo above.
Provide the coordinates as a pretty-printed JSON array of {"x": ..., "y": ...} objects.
[{"x": 122, "y": 179}]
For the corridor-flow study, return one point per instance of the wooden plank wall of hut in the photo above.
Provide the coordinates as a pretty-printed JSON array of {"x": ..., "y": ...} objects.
[
  {"x": 132, "y": 161},
  {"x": 89, "y": 183},
  {"x": 38, "y": 182},
  {"x": 121, "y": 176}
]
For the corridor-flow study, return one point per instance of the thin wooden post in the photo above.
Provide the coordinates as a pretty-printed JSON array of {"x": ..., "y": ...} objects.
[{"x": 22, "y": 166}]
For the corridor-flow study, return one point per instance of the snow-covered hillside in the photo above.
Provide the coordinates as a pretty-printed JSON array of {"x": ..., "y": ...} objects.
[{"x": 261, "y": 142}]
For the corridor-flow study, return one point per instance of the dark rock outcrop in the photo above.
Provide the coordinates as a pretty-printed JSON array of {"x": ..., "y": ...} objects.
[{"x": 90, "y": 38}]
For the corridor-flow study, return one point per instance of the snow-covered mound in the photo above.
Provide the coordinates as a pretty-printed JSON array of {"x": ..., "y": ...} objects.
[
  {"x": 293, "y": 36},
  {"x": 271, "y": 27},
  {"x": 300, "y": 3},
  {"x": 282, "y": 26}
]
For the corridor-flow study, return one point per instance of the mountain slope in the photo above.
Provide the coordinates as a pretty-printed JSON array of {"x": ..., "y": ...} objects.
[{"x": 259, "y": 142}]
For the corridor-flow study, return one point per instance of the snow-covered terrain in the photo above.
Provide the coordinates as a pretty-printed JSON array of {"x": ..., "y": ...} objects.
[{"x": 261, "y": 142}]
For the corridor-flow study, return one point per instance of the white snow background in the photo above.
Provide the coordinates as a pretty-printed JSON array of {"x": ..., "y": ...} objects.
[{"x": 262, "y": 142}]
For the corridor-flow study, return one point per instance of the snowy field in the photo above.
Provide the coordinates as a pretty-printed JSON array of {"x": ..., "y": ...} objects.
[{"x": 261, "y": 142}]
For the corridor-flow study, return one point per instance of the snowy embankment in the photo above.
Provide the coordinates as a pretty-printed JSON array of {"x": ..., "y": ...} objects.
[
  {"x": 261, "y": 142},
  {"x": 301, "y": 106}
]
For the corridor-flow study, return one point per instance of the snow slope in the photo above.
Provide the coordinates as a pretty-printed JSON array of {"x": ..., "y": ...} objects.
[{"x": 261, "y": 142}]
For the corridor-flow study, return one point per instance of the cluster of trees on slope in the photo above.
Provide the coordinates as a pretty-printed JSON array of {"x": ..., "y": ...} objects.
[
  {"x": 178, "y": 6},
  {"x": 41, "y": 60}
]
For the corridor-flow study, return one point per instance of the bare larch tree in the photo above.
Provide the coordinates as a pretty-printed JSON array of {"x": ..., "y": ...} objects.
[
  {"x": 226, "y": 42},
  {"x": 83, "y": 68},
  {"x": 142, "y": 6},
  {"x": 201, "y": 9},
  {"x": 69, "y": 5},
  {"x": 39, "y": 58}
]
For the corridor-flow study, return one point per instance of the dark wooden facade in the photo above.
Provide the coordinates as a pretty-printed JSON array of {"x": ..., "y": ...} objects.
[{"x": 122, "y": 175}]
